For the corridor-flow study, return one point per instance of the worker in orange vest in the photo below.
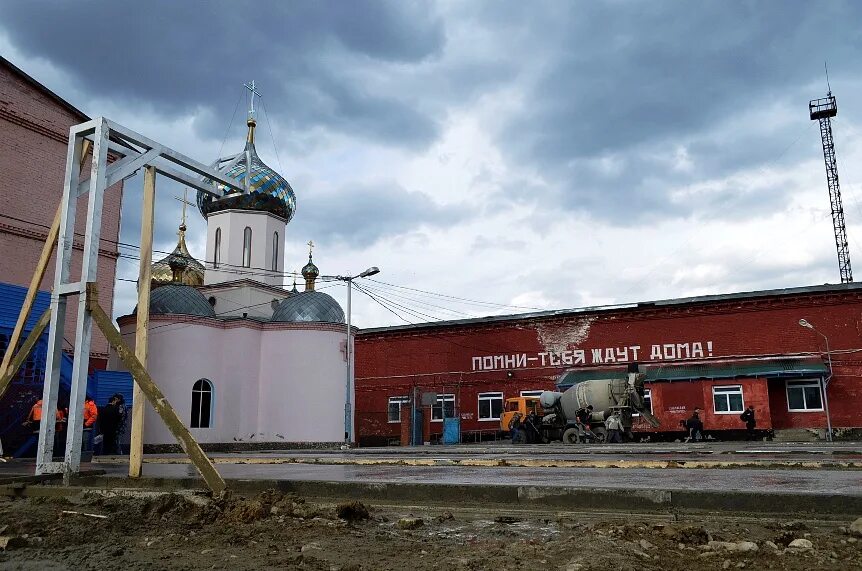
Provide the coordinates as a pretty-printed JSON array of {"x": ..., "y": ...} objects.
[
  {"x": 91, "y": 412},
  {"x": 35, "y": 416}
]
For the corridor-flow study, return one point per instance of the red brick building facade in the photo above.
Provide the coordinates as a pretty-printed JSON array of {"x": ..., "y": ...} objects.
[
  {"x": 34, "y": 134},
  {"x": 720, "y": 353}
]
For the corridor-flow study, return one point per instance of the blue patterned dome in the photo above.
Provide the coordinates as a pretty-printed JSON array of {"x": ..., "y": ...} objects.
[
  {"x": 178, "y": 299},
  {"x": 268, "y": 190},
  {"x": 309, "y": 307}
]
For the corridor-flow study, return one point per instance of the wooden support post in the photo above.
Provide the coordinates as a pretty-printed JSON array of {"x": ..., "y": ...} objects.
[
  {"x": 188, "y": 443},
  {"x": 41, "y": 265},
  {"x": 47, "y": 250},
  {"x": 26, "y": 349},
  {"x": 136, "y": 447}
]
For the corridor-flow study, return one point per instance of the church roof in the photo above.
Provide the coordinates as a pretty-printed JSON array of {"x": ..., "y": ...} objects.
[
  {"x": 309, "y": 306},
  {"x": 179, "y": 299},
  {"x": 268, "y": 190}
]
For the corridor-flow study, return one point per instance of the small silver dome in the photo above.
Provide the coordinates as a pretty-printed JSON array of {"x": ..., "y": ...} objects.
[
  {"x": 309, "y": 307},
  {"x": 179, "y": 299}
]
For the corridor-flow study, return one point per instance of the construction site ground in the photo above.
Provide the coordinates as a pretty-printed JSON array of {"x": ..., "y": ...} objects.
[{"x": 467, "y": 507}]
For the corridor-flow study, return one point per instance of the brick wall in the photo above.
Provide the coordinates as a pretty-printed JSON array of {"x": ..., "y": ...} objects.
[
  {"x": 439, "y": 359},
  {"x": 34, "y": 129}
]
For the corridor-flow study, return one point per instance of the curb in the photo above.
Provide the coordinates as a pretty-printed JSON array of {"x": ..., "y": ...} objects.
[{"x": 538, "y": 498}]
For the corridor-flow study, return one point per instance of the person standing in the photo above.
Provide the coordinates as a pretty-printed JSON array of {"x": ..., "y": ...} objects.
[
  {"x": 615, "y": 427},
  {"x": 750, "y": 422},
  {"x": 694, "y": 426},
  {"x": 109, "y": 425}
]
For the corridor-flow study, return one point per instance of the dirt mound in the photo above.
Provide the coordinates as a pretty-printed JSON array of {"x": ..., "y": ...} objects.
[
  {"x": 689, "y": 534},
  {"x": 352, "y": 511}
]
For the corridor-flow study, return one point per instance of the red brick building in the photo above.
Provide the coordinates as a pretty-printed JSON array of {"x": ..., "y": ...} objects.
[
  {"x": 34, "y": 134},
  {"x": 720, "y": 353}
]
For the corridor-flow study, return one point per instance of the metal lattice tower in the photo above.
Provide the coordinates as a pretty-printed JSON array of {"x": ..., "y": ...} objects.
[{"x": 823, "y": 110}]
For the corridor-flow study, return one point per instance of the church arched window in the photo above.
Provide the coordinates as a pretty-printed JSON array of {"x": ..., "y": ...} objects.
[
  {"x": 217, "y": 253},
  {"x": 246, "y": 248},
  {"x": 202, "y": 404},
  {"x": 275, "y": 251}
]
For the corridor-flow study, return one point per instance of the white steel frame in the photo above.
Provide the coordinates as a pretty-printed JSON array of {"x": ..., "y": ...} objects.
[{"x": 135, "y": 152}]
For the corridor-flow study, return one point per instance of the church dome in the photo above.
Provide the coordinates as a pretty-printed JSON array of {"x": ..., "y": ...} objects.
[
  {"x": 309, "y": 270},
  {"x": 192, "y": 274},
  {"x": 178, "y": 299},
  {"x": 309, "y": 307},
  {"x": 268, "y": 190}
]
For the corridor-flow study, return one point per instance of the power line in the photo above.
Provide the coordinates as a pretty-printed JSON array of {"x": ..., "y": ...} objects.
[{"x": 461, "y": 299}]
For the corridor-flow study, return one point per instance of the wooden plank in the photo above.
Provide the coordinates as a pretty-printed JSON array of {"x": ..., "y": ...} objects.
[
  {"x": 26, "y": 348},
  {"x": 32, "y": 290},
  {"x": 38, "y": 274},
  {"x": 151, "y": 390},
  {"x": 136, "y": 447}
]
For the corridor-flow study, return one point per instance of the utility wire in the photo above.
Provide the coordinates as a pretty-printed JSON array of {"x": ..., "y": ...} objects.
[{"x": 227, "y": 131}]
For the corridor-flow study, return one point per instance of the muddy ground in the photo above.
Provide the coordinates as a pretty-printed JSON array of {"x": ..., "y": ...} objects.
[{"x": 274, "y": 531}]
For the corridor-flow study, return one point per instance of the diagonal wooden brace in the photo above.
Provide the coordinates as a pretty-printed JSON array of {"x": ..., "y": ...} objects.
[
  {"x": 188, "y": 443},
  {"x": 21, "y": 356}
]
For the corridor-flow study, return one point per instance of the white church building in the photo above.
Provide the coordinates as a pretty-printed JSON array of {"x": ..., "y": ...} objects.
[{"x": 244, "y": 362}]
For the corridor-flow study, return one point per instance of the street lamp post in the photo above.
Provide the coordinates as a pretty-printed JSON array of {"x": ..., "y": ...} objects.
[
  {"x": 348, "y": 385},
  {"x": 804, "y": 323}
]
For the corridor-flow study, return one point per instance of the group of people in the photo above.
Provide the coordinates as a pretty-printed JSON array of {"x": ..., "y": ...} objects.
[
  {"x": 694, "y": 425},
  {"x": 103, "y": 427},
  {"x": 613, "y": 425}
]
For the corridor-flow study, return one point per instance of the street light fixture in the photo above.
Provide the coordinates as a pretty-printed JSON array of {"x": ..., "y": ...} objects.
[
  {"x": 804, "y": 323},
  {"x": 348, "y": 416}
]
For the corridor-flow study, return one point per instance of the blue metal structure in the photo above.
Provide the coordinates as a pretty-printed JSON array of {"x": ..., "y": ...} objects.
[{"x": 27, "y": 386}]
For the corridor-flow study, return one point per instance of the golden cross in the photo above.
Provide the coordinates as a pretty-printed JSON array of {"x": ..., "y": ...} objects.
[
  {"x": 184, "y": 200},
  {"x": 310, "y": 247}
]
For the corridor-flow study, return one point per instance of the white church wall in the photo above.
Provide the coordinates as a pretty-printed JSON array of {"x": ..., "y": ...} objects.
[
  {"x": 182, "y": 354},
  {"x": 302, "y": 381},
  {"x": 232, "y": 224}
]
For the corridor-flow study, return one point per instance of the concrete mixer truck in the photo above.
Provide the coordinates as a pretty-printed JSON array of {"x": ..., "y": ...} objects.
[{"x": 566, "y": 415}]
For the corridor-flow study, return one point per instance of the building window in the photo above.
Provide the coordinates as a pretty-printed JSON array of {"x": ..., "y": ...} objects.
[
  {"x": 531, "y": 393},
  {"x": 647, "y": 402},
  {"x": 804, "y": 395},
  {"x": 275, "y": 251},
  {"x": 728, "y": 400},
  {"x": 490, "y": 406},
  {"x": 443, "y": 408},
  {"x": 395, "y": 404},
  {"x": 217, "y": 253},
  {"x": 246, "y": 247},
  {"x": 202, "y": 402}
]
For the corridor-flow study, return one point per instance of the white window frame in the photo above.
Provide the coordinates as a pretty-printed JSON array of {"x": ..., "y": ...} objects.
[
  {"x": 275, "y": 251},
  {"x": 727, "y": 390},
  {"x": 400, "y": 401},
  {"x": 531, "y": 393},
  {"x": 647, "y": 397},
  {"x": 246, "y": 247},
  {"x": 217, "y": 250},
  {"x": 802, "y": 383},
  {"x": 442, "y": 399},
  {"x": 490, "y": 396},
  {"x": 207, "y": 388}
]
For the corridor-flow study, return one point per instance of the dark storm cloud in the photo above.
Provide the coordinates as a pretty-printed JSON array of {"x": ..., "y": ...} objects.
[
  {"x": 178, "y": 56},
  {"x": 637, "y": 80},
  {"x": 363, "y": 215}
]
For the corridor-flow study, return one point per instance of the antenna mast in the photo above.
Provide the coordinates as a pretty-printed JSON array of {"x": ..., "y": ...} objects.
[{"x": 823, "y": 110}]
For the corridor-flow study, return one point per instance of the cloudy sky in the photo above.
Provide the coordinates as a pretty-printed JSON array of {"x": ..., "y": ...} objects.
[{"x": 528, "y": 154}]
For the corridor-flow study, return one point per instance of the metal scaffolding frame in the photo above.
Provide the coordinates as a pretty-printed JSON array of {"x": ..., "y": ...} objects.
[
  {"x": 823, "y": 110},
  {"x": 133, "y": 152}
]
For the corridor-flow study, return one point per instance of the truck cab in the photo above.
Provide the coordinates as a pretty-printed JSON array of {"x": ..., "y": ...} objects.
[{"x": 520, "y": 406}]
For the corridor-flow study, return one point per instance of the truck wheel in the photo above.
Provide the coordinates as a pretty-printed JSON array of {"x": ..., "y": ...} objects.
[
  {"x": 601, "y": 435},
  {"x": 519, "y": 436},
  {"x": 570, "y": 436}
]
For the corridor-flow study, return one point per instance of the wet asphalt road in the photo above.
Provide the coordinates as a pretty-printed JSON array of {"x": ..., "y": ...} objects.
[{"x": 843, "y": 482}]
